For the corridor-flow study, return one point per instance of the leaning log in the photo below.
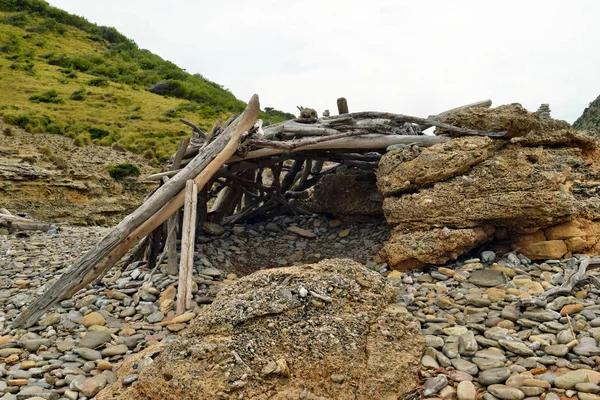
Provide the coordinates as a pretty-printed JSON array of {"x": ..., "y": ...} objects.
[{"x": 144, "y": 220}]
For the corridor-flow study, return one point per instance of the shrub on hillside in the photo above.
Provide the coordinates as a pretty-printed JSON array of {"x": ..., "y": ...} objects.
[
  {"x": 81, "y": 140},
  {"x": 98, "y": 133},
  {"x": 121, "y": 171},
  {"x": 49, "y": 96},
  {"x": 8, "y": 131},
  {"x": 98, "y": 82},
  {"x": 68, "y": 72},
  {"x": 78, "y": 95}
]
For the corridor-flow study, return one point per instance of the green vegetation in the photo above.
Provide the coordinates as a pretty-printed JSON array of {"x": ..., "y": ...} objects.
[
  {"x": 49, "y": 96},
  {"x": 62, "y": 74},
  {"x": 590, "y": 119},
  {"x": 121, "y": 171}
]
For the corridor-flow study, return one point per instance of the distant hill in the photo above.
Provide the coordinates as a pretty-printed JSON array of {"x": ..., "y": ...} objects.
[
  {"x": 590, "y": 119},
  {"x": 61, "y": 74}
]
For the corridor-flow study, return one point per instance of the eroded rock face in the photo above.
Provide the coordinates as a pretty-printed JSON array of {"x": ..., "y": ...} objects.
[
  {"x": 51, "y": 179},
  {"x": 511, "y": 118},
  {"x": 545, "y": 176},
  {"x": 433, "y": 164},
  {"x": 326, "y": 330}
]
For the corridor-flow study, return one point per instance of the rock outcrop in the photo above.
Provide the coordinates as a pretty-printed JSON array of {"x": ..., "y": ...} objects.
[
  {"x": 327, "y": 330},
  {"x": 51, "y": 179},
  {"x": 454, "y": 196}
]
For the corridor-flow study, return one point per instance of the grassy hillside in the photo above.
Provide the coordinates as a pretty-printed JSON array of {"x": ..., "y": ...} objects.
[
  {"x": 61, "y": 74},
  {"x": 590, "y": 119}
]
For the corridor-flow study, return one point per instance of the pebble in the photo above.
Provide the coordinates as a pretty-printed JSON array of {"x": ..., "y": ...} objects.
[
  {"x": 475, "y": 329},
  {"x": 466, "y": 391}
]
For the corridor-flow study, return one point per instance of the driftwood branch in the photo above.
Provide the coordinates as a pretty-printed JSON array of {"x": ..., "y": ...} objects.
[
  {"x": 194, "y": 127},
  {"x": 567, "y": 287}
]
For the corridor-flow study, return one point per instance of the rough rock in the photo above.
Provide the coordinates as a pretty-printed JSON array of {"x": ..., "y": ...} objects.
[
  {"x": 347, "y": 195},
  {"x": 526, "y": 192},
  {"x": 72, "y": 180},
  {"x": 260, "y": 320},
  {"x": 434, "y": 164},
  {"x": 510, "y": 118},
  {"x": 407, "y": 250}
]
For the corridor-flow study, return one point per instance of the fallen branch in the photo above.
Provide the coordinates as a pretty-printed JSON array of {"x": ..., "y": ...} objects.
[{"x": 567, "y": 287}]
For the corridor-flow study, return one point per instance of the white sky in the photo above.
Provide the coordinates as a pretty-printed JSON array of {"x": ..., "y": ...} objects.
[{"x": 409, "y": 57}]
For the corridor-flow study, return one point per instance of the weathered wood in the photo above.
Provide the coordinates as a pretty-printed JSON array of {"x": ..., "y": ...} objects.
[
  {"x": 342, "y": 105},
  {"x": 194, "y": 127},
  {"x": 356, "y": 143},
  {"x": 172, "y": 257},
  {"x": 225, "y": 203},
  {"x": 567, "y": 286},
  {"x": 188, "y": 234},
  {"x": 418, "y": 120},
  {"x": 181, "y": 149},
  {"x": 15, "y": 223},
  {"x": 144, "y": 220}
]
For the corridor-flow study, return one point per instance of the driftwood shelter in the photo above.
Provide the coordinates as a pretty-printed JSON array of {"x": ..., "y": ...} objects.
[{"x": 237, "y": 172}]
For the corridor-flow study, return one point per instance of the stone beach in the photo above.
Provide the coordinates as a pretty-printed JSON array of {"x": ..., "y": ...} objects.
[{"x": 479, "y": 340}]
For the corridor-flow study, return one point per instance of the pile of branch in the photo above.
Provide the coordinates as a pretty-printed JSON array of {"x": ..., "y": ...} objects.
[{"x": 240, "y": 171}]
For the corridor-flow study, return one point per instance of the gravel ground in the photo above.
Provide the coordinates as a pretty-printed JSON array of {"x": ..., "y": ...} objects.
[{"x": 480, "y": 342}]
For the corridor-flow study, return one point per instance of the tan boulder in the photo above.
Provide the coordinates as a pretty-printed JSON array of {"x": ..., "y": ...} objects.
[
  {"x": 433, "y": 164},
  {"x": 518, "y": 188},
  {"x": 339, "y": 338},
  {"x": 550, "y": 249},
  {"x": 407, "y": 250},
  {"x": 350, "y": 194},
  {"x": 510, "y": 118}
]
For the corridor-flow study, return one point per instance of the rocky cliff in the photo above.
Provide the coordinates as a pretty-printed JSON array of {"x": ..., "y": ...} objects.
[{"x": 52, "y": 179}]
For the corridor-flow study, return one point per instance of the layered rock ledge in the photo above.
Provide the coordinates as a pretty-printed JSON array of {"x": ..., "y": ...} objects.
[{"x": 451, "y": 197}]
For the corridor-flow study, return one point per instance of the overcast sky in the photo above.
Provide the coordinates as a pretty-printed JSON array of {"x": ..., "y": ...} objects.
[{"x": 409, "y": 57}]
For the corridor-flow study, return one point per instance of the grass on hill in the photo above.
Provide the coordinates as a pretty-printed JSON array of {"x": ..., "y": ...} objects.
[
  {"x": 590, "y": 118},
  {"x": 61, "y": 74}
]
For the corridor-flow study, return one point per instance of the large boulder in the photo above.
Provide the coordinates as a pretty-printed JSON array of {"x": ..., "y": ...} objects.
[
  {"x": 328, "y": 330},
  {"x": 546, "y": 176},
  {"x": 351, "y": 194},
  {"x": 510, "y": 118}
]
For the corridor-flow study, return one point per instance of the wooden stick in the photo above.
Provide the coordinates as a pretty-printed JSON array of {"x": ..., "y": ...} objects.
[
  {"x": 181, "y": 149},
  {"x": 188, "y": 235},
  {"x": 144, "y": 220},
  {"x": 342, "y": 105},
  {"x": 173, "y": 221},
  {"x": 365, "y": 142}
]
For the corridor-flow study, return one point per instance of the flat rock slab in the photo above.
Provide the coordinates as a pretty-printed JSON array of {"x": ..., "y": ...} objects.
[{"x": 487, "y": 278}]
